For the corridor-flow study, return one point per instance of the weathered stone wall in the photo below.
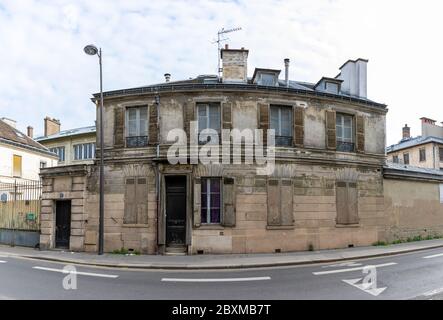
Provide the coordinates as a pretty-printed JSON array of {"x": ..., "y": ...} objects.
[{"x": 413, "y": 208}]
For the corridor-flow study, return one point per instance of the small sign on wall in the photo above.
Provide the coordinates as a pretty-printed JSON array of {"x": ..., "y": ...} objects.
[{"x": 441, "y": 193}]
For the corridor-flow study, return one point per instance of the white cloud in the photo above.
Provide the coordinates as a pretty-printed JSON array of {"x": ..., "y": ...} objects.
[{"x": 45, "y": 72}]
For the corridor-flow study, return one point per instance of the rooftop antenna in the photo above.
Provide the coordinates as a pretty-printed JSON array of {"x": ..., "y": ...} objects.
[{"x": 219, "y": 40}]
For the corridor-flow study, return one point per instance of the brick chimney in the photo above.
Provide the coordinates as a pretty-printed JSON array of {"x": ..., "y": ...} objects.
[
  {"x": 406, "y": 132},
  {"x": 30, "y": 132},
  {"x": 52, "y": 126},
  {"x": 234, "y": 65}
]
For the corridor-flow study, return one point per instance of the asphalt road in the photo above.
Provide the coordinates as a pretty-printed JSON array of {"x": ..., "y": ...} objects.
[{"x": 417, "y": 275}]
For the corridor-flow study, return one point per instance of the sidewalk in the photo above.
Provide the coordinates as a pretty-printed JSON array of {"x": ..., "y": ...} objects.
[{"x": 233, "y": 261}]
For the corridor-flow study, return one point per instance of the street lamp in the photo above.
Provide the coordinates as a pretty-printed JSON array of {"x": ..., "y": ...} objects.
[{"x": 92, "y": 51}]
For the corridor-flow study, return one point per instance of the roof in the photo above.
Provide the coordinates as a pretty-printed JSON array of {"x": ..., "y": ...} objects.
[
  {"x": 68, "y": 133},
  {"x": 396, "y": 170},
  {"x": 211, "y": 82},
  {"x": 12, "y": 136},
  {"x": 412, "y": 142}
]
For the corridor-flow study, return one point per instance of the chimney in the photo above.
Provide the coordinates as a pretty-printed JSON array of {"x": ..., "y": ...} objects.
[
  {"x": 167, "y": 77},
  {"x": 234, "y": 65},
  {"x": 428, "y": 121},
  {"x": 354, "y": 76},
  {"x": 52, "y": 126},
  {"x": 30, "y": 132},
  {"x": 287, "y": 72},
  {"x": 406, "y": 132},
  {"x": 10, "y": 122}
]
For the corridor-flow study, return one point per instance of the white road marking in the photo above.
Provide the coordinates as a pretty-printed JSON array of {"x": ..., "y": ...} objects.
[
  {"x": 1, "y": 261},
  {"x": 101, "y": 275},
  {"x": 215, "y": 280},
  {"x": 373, "y": 291},
  {"x": 352, "y": 269},
  {"x": 433, "y": 256},
  {"x": 346, "y": 264},
  {"x": 433, "y": 292}
]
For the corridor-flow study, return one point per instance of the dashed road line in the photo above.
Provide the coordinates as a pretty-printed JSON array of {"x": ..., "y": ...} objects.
[
  {"x": 2, "y": 261},
  {"x": 433, "y": 292},
  {"x": 215, "y": 279},
  {"x": 353, "y": 269},
  {"x": 100, "y": 275},
  {"x": 433, "y": 256}
]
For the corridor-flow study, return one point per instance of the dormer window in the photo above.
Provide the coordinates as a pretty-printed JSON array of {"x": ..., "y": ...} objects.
[
  {"x": 265, "y": 77},
  {"x": 331, "y": 87}
]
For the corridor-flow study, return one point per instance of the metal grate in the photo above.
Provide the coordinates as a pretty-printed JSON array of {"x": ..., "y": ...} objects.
[
  {"x": 135, "y": 142},
  {"x": 345, "y": 146}
]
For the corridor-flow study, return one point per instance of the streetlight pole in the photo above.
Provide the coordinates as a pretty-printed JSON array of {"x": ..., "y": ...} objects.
[{"x": 92, "y": 50}]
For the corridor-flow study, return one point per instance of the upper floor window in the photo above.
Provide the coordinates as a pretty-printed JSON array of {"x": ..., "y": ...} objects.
[
  {"x": 441, "y": 154},
  {"x": 267, "y": 79},
  {"x": 395, "y": 159},
  {"x": 137, "y": 126},
  {"x": 211, "y": 200},
  {"x": 406, "y": 158},
  {"x": 344, "y": 127},
  {"x": 208, "y": 118},
  {"x": 17, "y": 166},
  {"x": 60, "y": 152},
  {"x": 84, "y": 151},
  {"x": 281, "y": 122},
  {"x": 43, "y": 164},
  {"x": 331, "y": 87},
  {"x": 422, "y": 154}
]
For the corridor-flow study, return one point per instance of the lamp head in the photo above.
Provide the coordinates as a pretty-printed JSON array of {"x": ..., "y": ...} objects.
[{"x": 91, "y": 50}]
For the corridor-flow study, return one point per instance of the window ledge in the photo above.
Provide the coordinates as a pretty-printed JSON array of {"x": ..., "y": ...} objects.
[
  {"x": 355, "y": 225},
  {"x": 211, "y": 227},
  {"x": 280, "y": 227},
  {"x": 135, "y": 225}
]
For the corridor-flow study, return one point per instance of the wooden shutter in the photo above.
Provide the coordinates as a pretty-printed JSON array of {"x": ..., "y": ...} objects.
[
  {"x": 119, "y": 127},
  {"x": 263, "y": 109},
  {"x": 227, "y": 115},
  {"x": 197, "y": 203},
  {"x": 229, "y": 217},
  {"x": 341, "y": 202},
  {"x": 274, "y": 216},
  {"x": 153, "y": 133},
  {"x": 189, "y": 115},
  {"x": 352, "y": 203},
  {"x": 141, "y": 192},
  {"x": 286, "y": 203},
  {"x": 299, "y": 126},
  {"x": 331, "y": 139},
  {"x": 130, "y": 216},
  {"x": 360, "y": 130}
]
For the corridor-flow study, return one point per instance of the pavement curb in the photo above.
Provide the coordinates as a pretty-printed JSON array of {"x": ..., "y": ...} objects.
[{"x": 159, "y": 266}]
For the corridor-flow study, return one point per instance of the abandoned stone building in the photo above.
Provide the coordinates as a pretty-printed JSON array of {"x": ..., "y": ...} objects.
[{"x": 326, "y": 190}]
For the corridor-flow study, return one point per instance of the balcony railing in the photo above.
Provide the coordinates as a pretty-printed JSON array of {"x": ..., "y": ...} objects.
[
  {"x": 136, "y": 142},
  {"x": 283, "y": 141},
  {"x": 345, "y": 146}
]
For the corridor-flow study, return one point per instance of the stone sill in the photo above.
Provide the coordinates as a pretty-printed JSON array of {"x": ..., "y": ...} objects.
[
  {"x": 210, "y": 227},
  {"x": 280, "y": 227},
  {"x": 357, "y": 225},
  {"x": 135, "y": 225}
]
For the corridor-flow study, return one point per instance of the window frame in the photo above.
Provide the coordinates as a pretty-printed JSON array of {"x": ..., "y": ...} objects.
[
  {"x": 208, "y": 207},
  {"x": 208, "y": 106},
  {"x": 440, "y": 153},
  {"x": 341, "y": 140},
  {"x": 420, "y": 154},
  {"x": 290, "y": 139},
  {"x": 57, "y": 151},
  {"x": 406, "y": 155},
  {"x": 395, "y": 159},
  {"x": 84, "y": 148},
  {"x": 141, "y": 140},
  {"x": 14, "y": 157}
]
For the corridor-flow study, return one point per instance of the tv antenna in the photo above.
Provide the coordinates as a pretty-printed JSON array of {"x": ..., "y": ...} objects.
[{"x": 220, "y": 39}]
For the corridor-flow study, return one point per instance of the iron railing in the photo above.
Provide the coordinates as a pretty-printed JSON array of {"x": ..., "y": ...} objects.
[{"x": 137, "y": 141}]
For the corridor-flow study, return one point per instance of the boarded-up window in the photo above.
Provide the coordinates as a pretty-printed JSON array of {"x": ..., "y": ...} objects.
[
  {"x": 136, "y": 201},
  {"x": 347, "y": 202},
  {"x": 280, "y": 203},
  {"x": 17, "y": 166}
]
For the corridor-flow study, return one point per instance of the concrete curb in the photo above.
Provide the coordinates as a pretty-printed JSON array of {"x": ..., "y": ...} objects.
[{"x": 160, "y": 266}]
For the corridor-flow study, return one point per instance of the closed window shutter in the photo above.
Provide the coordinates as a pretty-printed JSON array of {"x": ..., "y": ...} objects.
[
  {"x": 130, "y": 216},
  {"x": 264, "y": 120},
  {"x": 119, "y": 126},
  {"x": 342, "y": 202},
  {"x": 197, "y": 203},
  {"x": 153, "y": 124},
  {"x": 299, "y": 126},
  {"x": 142, "y": 200},
  {"x": 360, "y": 123},
  {"x": 189, "y": 115},
  {"x": 227, "y": 115},
  {"x": 331, "y": 140},
  {"x": 274, "y": 216},
  {"x": 229, "y": 217},
  {"x": 286, "y": 203},
  {"x": 352, "y": 203}
]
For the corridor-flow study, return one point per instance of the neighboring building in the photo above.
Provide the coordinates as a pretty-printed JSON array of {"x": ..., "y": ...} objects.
[
  {"x": 326, "y": 190},
  {"x": 74, "y": 146},
  {"x": 21, "y": 157},
  {"x": 424, "y": 151}
]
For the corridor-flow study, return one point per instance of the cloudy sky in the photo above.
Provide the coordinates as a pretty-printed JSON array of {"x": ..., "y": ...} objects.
[{"x": 44, "y": 71}]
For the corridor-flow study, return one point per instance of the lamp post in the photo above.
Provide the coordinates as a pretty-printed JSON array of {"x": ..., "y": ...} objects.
[{"x": 92, "y": 51}]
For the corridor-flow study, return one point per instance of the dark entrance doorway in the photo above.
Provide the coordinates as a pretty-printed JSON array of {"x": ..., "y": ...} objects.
[
  {"x": 62, "y": 224},
  {"x": 175, "y": 210}
]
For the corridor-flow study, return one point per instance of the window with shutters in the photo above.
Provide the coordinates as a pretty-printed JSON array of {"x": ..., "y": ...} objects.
[
  {"x": 344, "y": 128},
  {"x": 280, "y": 203},
  {"x": 395, "y": 159},
  {"x": 347, "y": 203},
  {"x": 136, "y": 201},
  {"x": 211, "y": 201},
  {"x": 209, "y": 117},
  {"x": 281, "y": 122},
  {"x": 137, "y": 126},
  {"x": 406, "y": 158},
  {"x": 422, "y": 153}
]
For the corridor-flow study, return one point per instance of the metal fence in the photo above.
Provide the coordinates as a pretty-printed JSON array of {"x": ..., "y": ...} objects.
[{"x": 20, "y": 205}]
